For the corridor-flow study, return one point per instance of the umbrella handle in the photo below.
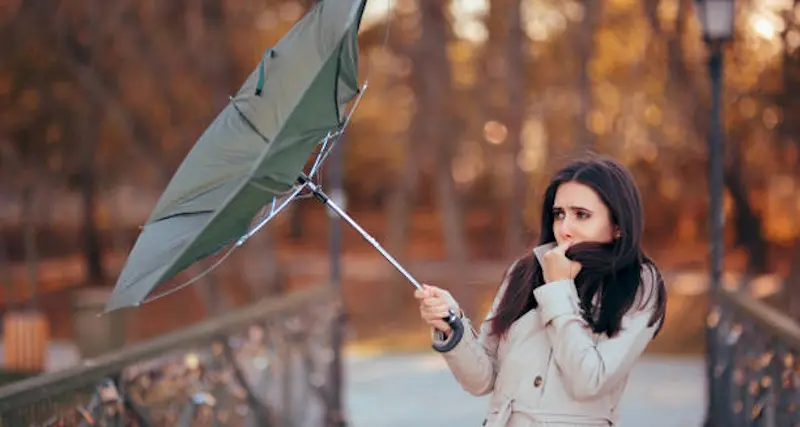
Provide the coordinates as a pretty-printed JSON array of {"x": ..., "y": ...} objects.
[{"x": 457, "y": 332}]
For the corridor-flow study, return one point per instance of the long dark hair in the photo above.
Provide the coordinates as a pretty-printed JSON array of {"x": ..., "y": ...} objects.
[{"x": 618, "y": 271}]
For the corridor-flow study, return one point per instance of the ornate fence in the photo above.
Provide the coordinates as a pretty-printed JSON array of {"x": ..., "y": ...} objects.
[
  {"x": 263, "y": 365},
  {"x": 756, "y": 377}
]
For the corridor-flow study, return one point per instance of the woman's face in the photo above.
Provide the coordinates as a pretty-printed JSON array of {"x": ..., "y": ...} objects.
[{"x": 579, "y": 215}]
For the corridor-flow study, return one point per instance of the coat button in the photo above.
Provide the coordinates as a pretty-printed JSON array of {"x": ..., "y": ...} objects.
[{"x": 538, "y": 381}]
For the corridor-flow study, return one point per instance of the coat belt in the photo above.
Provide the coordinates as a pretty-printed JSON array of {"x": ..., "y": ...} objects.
[{"x": 510, "y": 406}]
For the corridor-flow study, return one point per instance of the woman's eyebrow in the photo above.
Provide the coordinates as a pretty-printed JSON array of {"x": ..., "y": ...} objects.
[{"x": 579, "y": 208}]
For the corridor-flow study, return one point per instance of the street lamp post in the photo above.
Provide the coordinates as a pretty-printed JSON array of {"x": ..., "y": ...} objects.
[{"x": 717, "y": 20}]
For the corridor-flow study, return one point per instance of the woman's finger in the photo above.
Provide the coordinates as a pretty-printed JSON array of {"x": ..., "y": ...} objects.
[
  {"x": 434, "y": 311},
  {"x": 562, "y": 248},
  {"x": 441, "y": 325},
  {"x": 437, "y": 313},
  {"x": 438, "y": 307},
  {"x": 433, "y": 302},
  {"x": 426, "y": 310}
]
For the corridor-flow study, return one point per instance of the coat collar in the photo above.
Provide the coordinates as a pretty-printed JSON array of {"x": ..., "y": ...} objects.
[{"x": 540, "y": 250}]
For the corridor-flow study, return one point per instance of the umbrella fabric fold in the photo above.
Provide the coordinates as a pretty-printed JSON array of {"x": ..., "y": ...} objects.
[{"x": 253, "y": 151}]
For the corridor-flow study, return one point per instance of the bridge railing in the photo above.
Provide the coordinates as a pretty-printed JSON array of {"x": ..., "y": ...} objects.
[
  {"x": 755, "y": 380},
  {"x": 265, "y": 364}
]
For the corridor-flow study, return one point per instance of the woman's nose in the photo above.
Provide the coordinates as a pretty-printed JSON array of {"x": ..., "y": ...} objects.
[{"x": 565, "y": 229}]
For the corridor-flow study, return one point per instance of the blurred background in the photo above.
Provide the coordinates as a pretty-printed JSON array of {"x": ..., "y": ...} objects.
[{"x": 471, "y": 106}]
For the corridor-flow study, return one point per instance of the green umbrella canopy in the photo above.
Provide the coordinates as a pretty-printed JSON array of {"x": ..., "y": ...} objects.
[{"x": 253, "y": 151}]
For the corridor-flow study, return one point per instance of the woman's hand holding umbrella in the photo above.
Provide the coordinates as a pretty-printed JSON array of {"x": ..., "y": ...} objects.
[{"x": 435, "y": 305}]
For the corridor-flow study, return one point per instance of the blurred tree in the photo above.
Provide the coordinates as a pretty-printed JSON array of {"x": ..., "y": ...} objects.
[
  {"x": 515, "y": 117},
  {"x": 403, "y": 196},
  {"x": 90, "y": 137},
  {"x": 584, "y": 46},
  {"x": 789, "y": 127},
  {"x": 789, "y": 130},
  {"x": 27, "y": 100},
  {"x": 434, "y": 115},
  {"x": 747, "y": 223}
]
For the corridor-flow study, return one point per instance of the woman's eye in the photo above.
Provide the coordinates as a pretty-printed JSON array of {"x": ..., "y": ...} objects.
[
  {"x": 583, "y": 215},
  {"x": 558, "y": 214}
]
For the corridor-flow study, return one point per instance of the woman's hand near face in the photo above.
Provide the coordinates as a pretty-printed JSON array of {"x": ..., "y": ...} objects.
[
  {"x": 434, "y": 305},
  {"x": 556, "y": 266}
]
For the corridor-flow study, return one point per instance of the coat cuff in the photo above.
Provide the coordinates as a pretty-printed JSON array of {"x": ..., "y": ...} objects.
[{"x": 557, "y": 299}]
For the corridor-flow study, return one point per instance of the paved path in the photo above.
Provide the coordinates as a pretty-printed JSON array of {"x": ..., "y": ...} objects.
[{"x": 418, "y": 390}]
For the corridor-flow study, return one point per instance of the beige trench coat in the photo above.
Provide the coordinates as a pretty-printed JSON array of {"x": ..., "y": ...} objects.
[{"x": 550, "y": 369}]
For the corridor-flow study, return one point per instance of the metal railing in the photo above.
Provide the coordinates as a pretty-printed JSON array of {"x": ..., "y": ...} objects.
[
  {"x": 755, "y": 380},
  {"x": 262, "y": 365}
]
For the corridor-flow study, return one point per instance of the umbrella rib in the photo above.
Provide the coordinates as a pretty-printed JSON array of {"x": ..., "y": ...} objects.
[
  {"x": 323, "y": 155},
  {"x": 319, "y": 159},
  {"x": 274, "y": 211},
  {"x": 267, "y": 189},
  {"x": 199, "y": 276}
]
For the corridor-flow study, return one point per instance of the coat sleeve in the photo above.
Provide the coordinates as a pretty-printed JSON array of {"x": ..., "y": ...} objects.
[
  {"x": 592, "y": 368},
  {"x": 473, "y": 360}
]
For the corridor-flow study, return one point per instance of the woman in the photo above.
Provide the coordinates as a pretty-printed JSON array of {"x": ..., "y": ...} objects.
[{"x": 571, "y": 318}]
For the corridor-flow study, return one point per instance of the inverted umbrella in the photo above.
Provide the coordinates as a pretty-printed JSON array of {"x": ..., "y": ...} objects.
[{"x": 254, "y": 154}]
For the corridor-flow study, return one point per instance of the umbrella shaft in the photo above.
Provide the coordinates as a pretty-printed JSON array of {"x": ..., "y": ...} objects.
[{"x": 322, "y": 197}]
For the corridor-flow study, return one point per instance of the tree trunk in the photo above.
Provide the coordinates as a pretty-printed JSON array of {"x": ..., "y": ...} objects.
[
  {"x": 401, "y": 201},
  {"x": 295, "y": 213},
  {"x": 792, "y": 284},
  {"x": 514, "y": 122},
  {"x": 92, "y": 247},
  {"x": 584, "y": 138},
  {"x": 436, "y": 97},
  {"x": 747, "y": 223},
  {"x": 789, "y": 127},
  {"x": 680, "y": 83},
  {"x": 271, "y": 279},
  {"x": 29, "y": 231},
  {"x": 5, "y": 273},
  {"x": 77, "y": 62},
  {"x": 214, "y": 301},
  {"x": 492, "y": 95},
  {"x": 451, "y": 212}
]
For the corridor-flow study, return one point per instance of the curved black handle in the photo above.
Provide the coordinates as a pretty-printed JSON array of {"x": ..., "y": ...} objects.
[{"x": 456, "y": 333}]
